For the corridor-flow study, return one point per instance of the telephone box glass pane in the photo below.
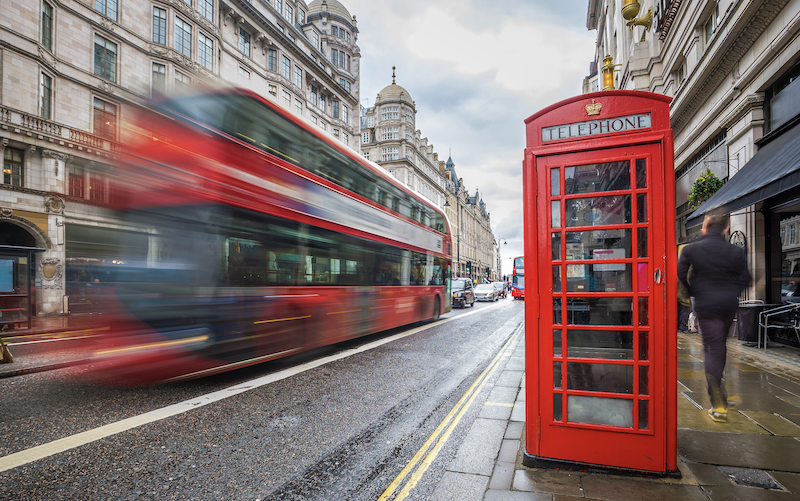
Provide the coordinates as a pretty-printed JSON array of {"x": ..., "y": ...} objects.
[
  {"x": 613, "y": 345},
  {"x": 556, "y": 246},
  {"x": 644, "y": 379},
  {"x": 642, "y": 241},
  {"x": 644, "y": 414},
  {"x": 557, "y": 407},
  {"x": 557, "y": 375},
  {"x": 556, "y": 278},
  {"x": 643, "y": 278},
  {"x": 641, "y": 208},
  {"x": 557, "y": 311},
  {"x": 612, "y": 277},
  {"x": 556, "y": 342},
  {"x": 641, "y": 173},
  {"x": 644, "y": 349},
  {"x": 600, "y": 410},
  {"x": 555, "y": 185},
  {"x": 555, "y": 214},
  {"x": 599, "y": 311},
  {"x": 644, "y": 313},
  {"x": 607, "y": 378},
  {"x": 599, "y": 244},
  {"x": 598, "y": 211},
  {"x": 594, "y": 178}
]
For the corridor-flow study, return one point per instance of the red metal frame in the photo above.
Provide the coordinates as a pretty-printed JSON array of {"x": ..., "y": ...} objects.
[{"x": 559, "y": 442}]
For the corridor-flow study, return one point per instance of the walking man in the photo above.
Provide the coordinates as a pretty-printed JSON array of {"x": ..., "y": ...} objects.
[{"x": 719, "y": 274}]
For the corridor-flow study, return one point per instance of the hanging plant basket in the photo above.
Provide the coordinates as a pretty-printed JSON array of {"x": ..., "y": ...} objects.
[{"x": 702, "y": 189}]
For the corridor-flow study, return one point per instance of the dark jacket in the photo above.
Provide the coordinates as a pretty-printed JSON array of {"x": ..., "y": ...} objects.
[{"x": 719, "y": 271}]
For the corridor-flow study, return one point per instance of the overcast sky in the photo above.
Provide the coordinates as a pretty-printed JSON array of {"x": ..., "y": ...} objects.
[{"x": 476, "y": 70}]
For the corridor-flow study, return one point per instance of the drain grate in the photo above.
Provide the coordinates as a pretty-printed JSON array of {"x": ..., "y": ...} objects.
[{"x": 751, "y": 478}]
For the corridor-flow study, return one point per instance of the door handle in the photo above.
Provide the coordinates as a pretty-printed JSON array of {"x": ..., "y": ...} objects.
[{"x": 657, "y": 276}]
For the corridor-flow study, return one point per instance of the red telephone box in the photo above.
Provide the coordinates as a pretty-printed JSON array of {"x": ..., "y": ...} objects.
[{"x": 601, "y": 329}]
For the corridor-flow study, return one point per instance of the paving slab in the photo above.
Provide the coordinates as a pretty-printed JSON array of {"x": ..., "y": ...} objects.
[
  {"x": 763, "y": 452},
  {"x": 774, "y": 423},
  {"x": 460, "y": 486},
  {"x": 697, "y": 419},
  {"x": 548, "y": 481},
  {"x": 479, "y": 450},
  {"x": 612, "y": 488}
]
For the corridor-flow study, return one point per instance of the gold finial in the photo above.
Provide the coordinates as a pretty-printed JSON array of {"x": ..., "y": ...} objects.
[{"x": 393, "y": 67}]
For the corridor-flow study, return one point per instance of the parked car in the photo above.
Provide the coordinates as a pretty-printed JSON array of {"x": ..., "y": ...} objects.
[
  {"x": 502, "y": 288},
  {"x": 463, "y": 293},
  {"x": 486, "y": 292}
]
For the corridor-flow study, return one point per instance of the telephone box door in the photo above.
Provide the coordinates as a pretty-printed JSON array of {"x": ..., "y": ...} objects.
[{"x": 601, "y": 369}]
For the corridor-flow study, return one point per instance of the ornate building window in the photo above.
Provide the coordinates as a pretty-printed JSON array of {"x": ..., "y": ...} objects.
[
  {"x": 287, "y": 68},
  {"x": 105, "y": 119},
  {"x": 273, "y": 60},
  {"x": 106, "y": 7},
  {"x": 205, "y": 49},
  {"x": 76, "y": 177},
  {"x": 244, "y": 42},
  {"x": 45, "y": 96},
  {"x": 206, "y": 8},
  {"x": 182, "y": 82},
  {"x": 313, "y": 95},
  {"x": 335, "y": 107},
  {"x": 159, "y": 78},
  {"x": 159, "y": 25},
  {"x": 105, "y": 58},
  {"x": 183, "y": 37},
  {"x": 12, "y": 166},
  {"x": 298, "y": 76},
  {"x": 47, "y": 26}
]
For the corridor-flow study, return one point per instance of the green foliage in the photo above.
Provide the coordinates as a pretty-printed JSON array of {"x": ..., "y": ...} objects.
[{"x": 702, "y": 189}]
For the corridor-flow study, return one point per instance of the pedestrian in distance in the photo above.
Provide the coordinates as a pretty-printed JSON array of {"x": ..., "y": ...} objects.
[{"x": 719, "y": 274}]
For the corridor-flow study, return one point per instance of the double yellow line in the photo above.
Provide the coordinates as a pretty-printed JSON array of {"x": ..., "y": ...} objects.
[{"x": 431, "y": 448}]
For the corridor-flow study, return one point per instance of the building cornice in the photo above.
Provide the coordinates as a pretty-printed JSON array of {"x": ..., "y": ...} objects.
[{"x": 715, "y": 65}]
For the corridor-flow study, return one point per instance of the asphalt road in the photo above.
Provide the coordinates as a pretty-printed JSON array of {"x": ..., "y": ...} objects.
[{"x": 338, "y": 423}]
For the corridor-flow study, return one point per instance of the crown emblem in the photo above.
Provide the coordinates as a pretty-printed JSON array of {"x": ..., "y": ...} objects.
[{"x": 594, "y": 108}]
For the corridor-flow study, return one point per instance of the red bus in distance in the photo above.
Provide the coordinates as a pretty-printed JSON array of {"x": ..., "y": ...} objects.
[
  {"x": 253, "y": 236},
  {"x": 518, "y": 278}
]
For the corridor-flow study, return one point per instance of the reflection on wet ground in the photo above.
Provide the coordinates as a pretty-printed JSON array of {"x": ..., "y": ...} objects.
[{"x": 756, "y": 454}]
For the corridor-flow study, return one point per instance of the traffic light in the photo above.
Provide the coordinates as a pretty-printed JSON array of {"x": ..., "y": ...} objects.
[{"x": 469, "y": 267}]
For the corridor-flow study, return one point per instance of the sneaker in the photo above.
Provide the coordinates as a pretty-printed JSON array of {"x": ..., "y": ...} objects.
[
  {"x": 734, "y": 402},
  {"x": 716, "y": 416}
]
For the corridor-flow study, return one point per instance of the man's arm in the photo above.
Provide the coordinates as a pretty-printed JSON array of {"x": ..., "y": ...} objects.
[{"x": 683, "y": 269}]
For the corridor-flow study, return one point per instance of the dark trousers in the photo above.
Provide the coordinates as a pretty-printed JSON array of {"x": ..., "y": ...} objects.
[{"x": 715, "y": 322}]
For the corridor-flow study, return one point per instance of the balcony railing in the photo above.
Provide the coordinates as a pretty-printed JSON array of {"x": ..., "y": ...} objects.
[{"x": 55, "y": 131}]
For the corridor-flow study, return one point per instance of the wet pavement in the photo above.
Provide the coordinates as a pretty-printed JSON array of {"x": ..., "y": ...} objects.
[{"x": 755, "y": 455}]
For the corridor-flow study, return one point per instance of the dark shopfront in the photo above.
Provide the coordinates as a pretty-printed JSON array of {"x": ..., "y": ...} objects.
[
  {"x": 92, "y": 252},
  {"x": 767, "y": 191}
]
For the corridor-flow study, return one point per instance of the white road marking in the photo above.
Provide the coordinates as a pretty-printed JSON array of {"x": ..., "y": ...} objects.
[{"x": 42, "y": 451}]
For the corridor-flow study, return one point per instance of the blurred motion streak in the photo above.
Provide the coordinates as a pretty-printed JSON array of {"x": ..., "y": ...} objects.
[{"x": 251, "y": 235}]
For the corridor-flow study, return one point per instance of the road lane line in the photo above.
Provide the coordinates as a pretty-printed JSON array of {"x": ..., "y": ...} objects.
[
  {"x": 445, "y": 429},
  {"x": 64, "y": 444}
]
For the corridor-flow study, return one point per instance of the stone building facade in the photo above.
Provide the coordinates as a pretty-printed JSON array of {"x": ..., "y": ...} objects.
[
  {"x": 390, "y": 138},
  {"x": 730, "y": 67},
  {"x": 72, "y": 72}
]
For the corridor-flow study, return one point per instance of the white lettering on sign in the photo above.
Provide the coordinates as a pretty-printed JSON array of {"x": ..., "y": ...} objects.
[{"x": 594, "y": 127}]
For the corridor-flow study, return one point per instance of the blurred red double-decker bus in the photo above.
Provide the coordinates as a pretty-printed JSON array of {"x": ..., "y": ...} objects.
[
  {"x": 253, "y": 235},
  {"x": 518, "y": 278}
]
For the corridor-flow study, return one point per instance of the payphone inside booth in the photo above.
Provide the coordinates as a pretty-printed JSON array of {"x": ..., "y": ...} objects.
[{"x": 601, "y": 333}]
